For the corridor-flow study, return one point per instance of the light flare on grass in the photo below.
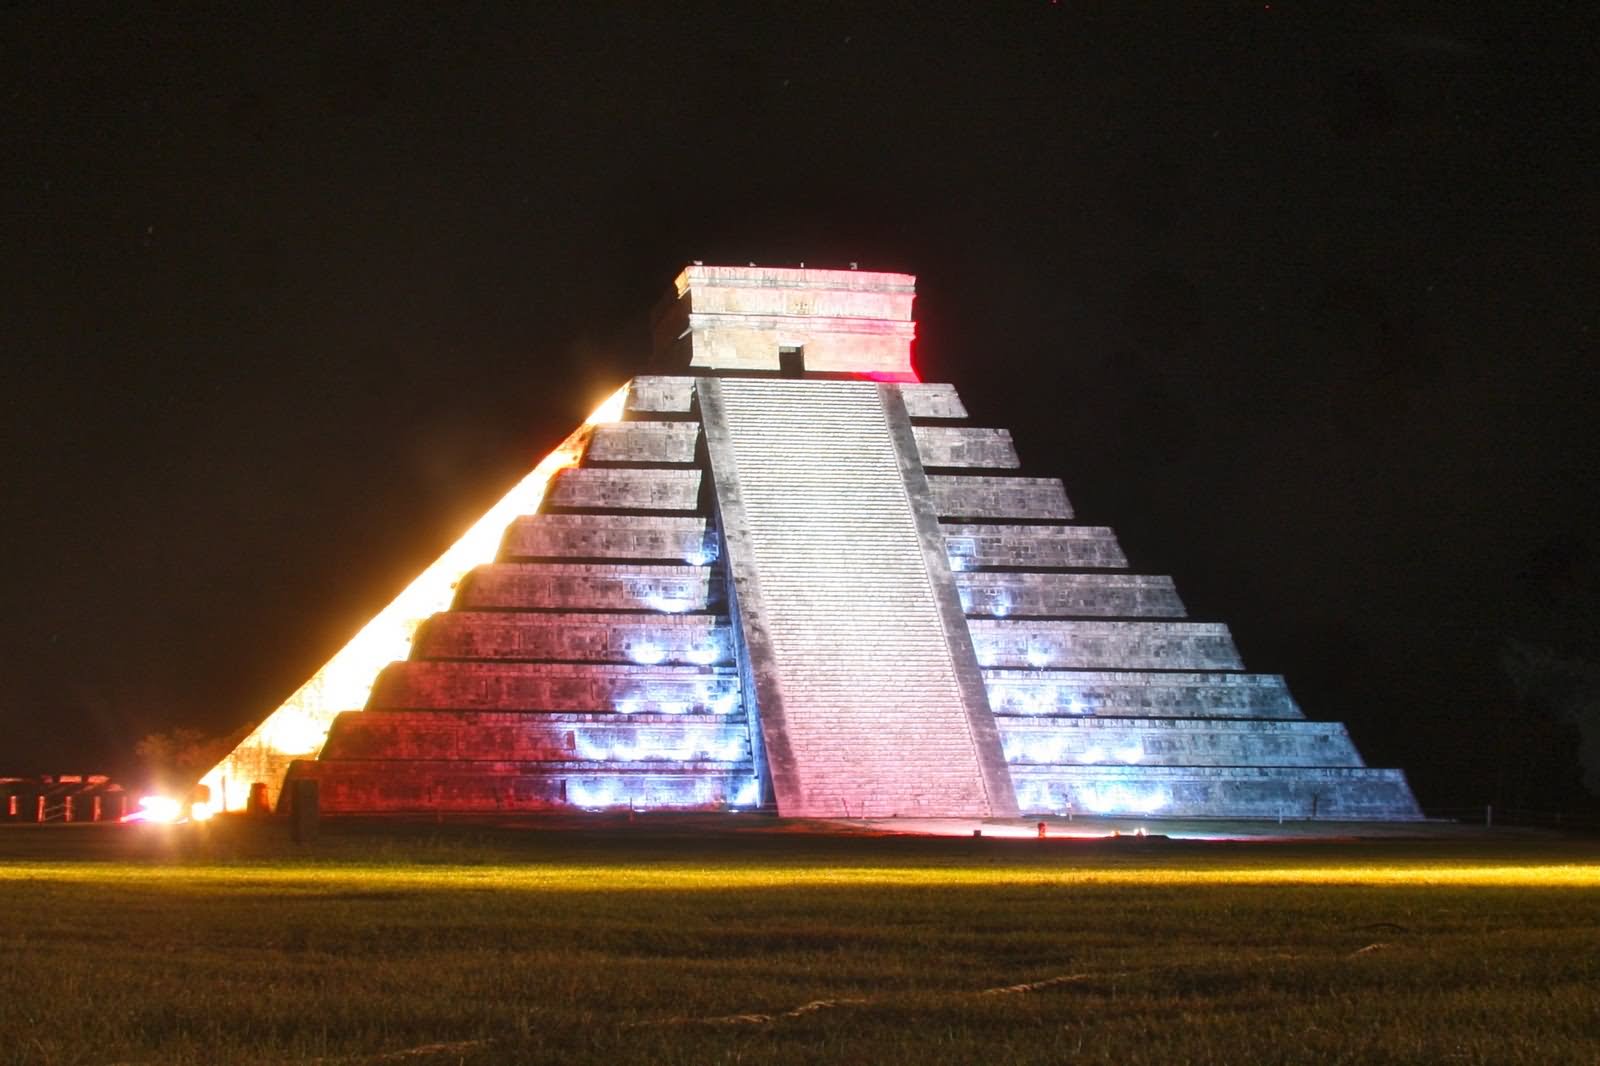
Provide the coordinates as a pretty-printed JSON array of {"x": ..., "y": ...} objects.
[{"x": 595, "y": 877}]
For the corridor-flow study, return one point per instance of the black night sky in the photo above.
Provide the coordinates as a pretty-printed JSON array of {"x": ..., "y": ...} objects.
[{"x": 1302, "y": 304}]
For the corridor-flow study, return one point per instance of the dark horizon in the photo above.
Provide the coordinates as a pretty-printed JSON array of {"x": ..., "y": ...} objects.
[{"x": 1301, "y": 304}]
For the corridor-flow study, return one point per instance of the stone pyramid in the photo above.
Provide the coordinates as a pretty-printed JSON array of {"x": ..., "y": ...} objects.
[{"x": 785, "y": 574}]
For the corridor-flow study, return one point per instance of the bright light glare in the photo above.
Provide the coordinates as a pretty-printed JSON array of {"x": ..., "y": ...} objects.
[
  {"x": 668, "y": 604},
  {"x": 693, "y": 745},
  {"x": 300, "y": 725},
  {"x": 292, "y": 731},
  {"x": 648, "y": 653},
  {"x": 1035, "y": 749},
  {"x": 161, "y": 809},
  {"x": 687, "y": 794},
  {"x": 200, "y": 812},
  {"x": 596, "y": 796},
  {"x": 1119, "y": 799}
]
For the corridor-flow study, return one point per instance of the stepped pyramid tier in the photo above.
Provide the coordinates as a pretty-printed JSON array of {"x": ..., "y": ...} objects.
[{"x": 783, "y": 573}]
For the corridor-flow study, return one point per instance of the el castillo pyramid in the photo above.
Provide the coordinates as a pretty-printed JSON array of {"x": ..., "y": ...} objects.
[{"x": 783, "y": 573}]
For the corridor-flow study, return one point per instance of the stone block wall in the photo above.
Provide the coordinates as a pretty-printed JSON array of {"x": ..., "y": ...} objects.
[
  {"x": 846, "y": 348},
  {"x": 625, "y": 489},
  {"x": 1092, "y": 645},
  {"x": 449, "y": 785},
  {"x": 1141, "y": 694},
  {"x": 597, "y": 740},
  {"x": 974, "y": 496},
  {"x": 1098, "y": 740},
  {"x": 610, "y": 536},
  {"x": 643, "y": 442},
  {"x": 1260, "y": 792},
  {"x": 645, "y": 639},
  {"x": 960, "y": 446},
  {"x": 555, "y": 688},
  {"x": 588, "y": 586},
  {"x": 652, "y": 394},
  {"x": 1034, "y": 547},
  {"x": 1055, "y": 595},
  {"x": 931, "y": 400}
]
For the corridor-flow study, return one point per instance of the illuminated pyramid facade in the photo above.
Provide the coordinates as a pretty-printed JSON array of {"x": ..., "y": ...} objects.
[{"x": 785, "y": 574}]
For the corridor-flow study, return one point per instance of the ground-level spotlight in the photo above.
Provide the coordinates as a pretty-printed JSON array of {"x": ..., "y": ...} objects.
[{"x": 162, "y": 809}]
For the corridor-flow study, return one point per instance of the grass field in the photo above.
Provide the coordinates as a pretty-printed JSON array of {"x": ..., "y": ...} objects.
[{"x": 673, "y": 942}]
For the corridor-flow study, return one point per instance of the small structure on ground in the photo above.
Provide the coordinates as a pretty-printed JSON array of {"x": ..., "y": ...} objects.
[{"x": 62, "y": 798}]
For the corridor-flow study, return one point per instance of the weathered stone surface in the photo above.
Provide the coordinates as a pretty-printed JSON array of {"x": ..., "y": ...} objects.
[
  {"x": 354, "y": 786},
  {"x": 1096, "y": 740},
  {"x": 1023, "y": 595},
  {"x": 651, "y": 394},
  {"x": 643, "y": 442},
  {"x": 647, "y": 639},
  {"x": 1036, "y": 547},
  {"x": 974, "y": 496},
  {"x": 930, "y": 400},
  {"x": 1139, "y": 694},
  {"x": 589, "y": 587},
  {"x": 1015, "y": 643},
  {"x": 620, "y": 489},
  {"x": 963, "y": 446},
  {"x": 609, "y": 536},
  {"x": 500, "y": 738},
  {"x": 1295, "y": 792},
  {"x": 530, "y": 635},
  {"x": 556, "y": 688}
]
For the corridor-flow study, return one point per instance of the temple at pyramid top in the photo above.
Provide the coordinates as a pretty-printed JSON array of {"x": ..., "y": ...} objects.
[{"x": 787, "y": 320}]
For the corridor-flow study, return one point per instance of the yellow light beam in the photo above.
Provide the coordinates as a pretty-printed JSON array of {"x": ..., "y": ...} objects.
[
  {"x": 591, "y": 878},
  {"x": 298, "y": 727}
]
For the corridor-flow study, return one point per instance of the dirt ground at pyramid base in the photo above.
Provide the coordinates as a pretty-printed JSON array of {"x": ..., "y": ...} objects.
[{"x": 747, "y": 940}]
